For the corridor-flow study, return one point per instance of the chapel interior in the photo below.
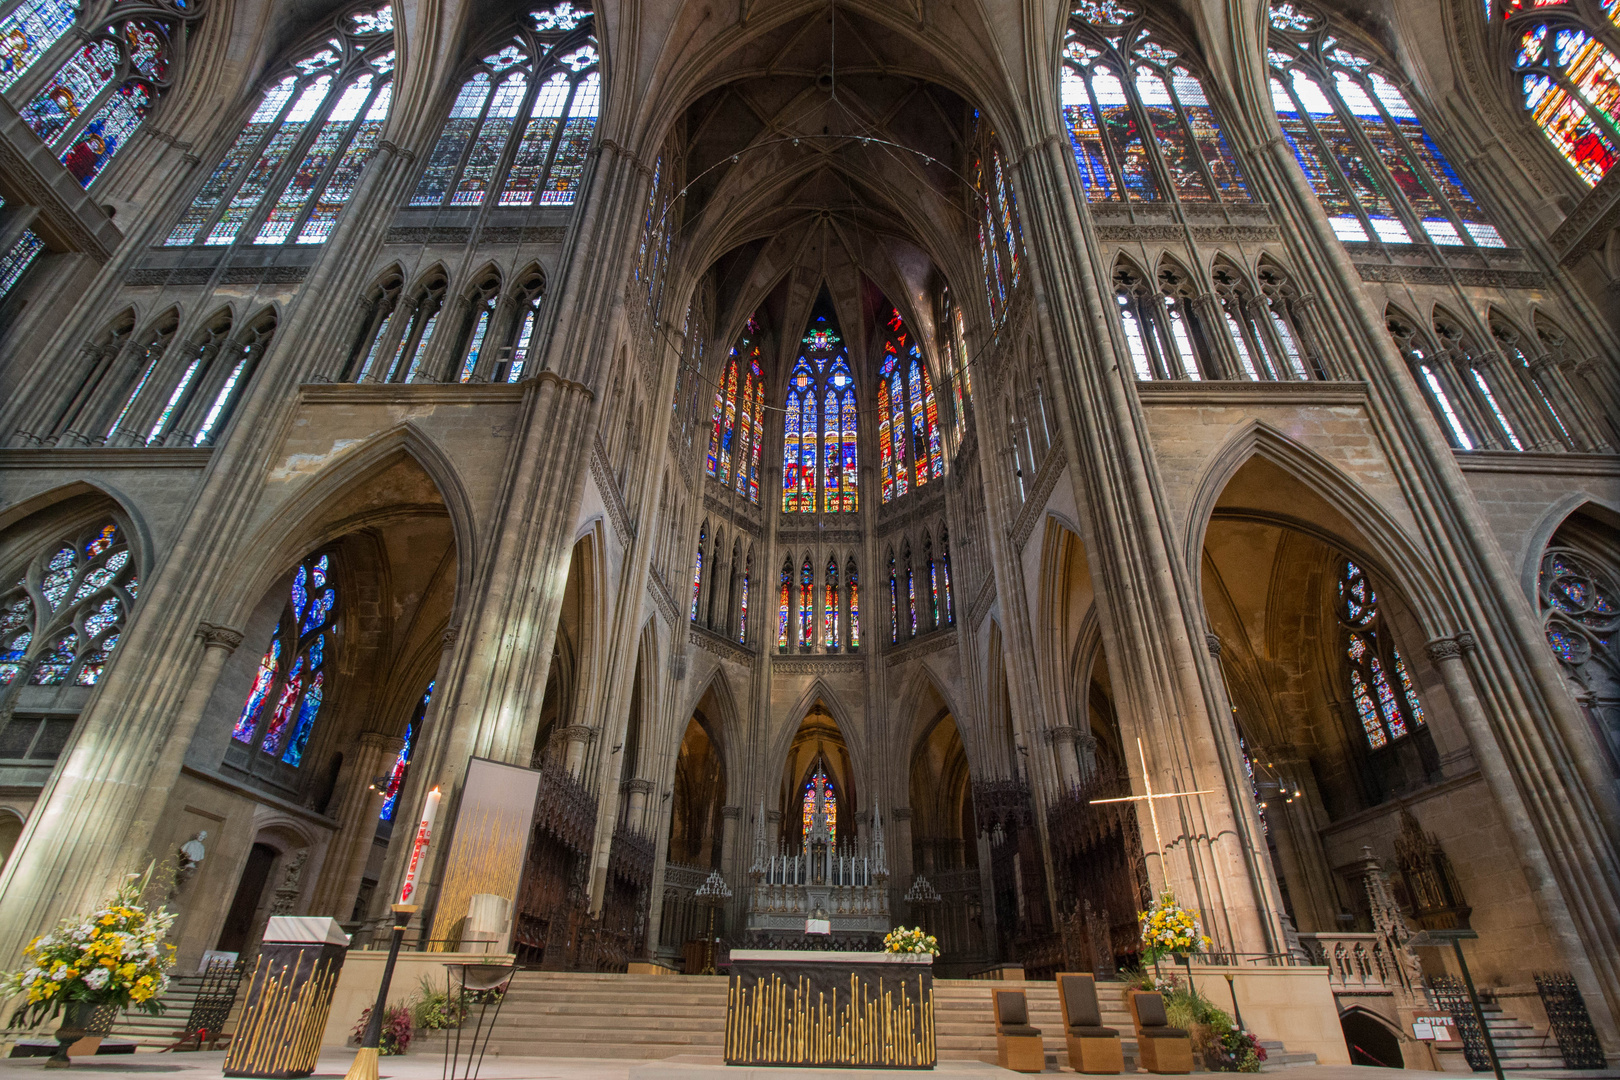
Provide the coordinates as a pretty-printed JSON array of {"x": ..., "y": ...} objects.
[{"x": 866, "y": 442}]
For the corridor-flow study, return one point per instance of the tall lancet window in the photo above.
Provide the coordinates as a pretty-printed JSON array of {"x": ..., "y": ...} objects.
[
  {"x": 820, "y": 456},
  {"x": 297, "y": 161},
  {"x": 280, "y": 711},
  {"x": 61, "y": 621},
  {"x": 102, "y": 89},
  {"x": 737, "y": 431},
  {"x": 908, "y": 414},
  {"x": 1000, "y": 233},
  {"x": 784, "y": 602},
  {"x": 1381, "y": 686},
  {"x": 1562, "y": 56},
  {"x": 1141, "y": 125},
  {"x": 521, "y": 125},
  {"x": 402, "y": 761},
  {"x": 819, "y": 797},
  {"x": 1376, "y": 171}
]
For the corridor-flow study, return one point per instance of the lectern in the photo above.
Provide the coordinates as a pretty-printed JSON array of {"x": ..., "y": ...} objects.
[{"x": 288, "y": 999}]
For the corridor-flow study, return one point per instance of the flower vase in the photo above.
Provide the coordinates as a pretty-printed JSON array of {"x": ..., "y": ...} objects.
[{"x": 76, "y": 1020}]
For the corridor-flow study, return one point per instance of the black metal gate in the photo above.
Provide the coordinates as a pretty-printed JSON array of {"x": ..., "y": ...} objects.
[
  {"x": 1571, "y": 1023},
  {"x": 1450, "y": 994}
]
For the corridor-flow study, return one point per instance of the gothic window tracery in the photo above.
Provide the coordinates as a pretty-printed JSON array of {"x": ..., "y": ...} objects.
[
  {"x": 697, "y": 570},
  {"x": 476, "y": 329},
  {"x": 783, "y": 605},
  {"x": 1363, "y": 148},
  {"x": 820, "y": 786},
  {"x": 108, "y": 78},
  {"x": 1580, "y": 609},
  {"x": 62, "y": 619},
  {"x": 297, "y": 161},
  {"x": 820, "y": 452},
  {"x": 289, "y": 684},
  {"x": 909, "y": 450},
  {"x": 959, "y": 374},
  {"x": 1434, "y": 378},
  {"x": 522, "y": 122},
  {"x": 737, "y": 431},
  {"x": 1561, "y": 58},
  {"x": 1382, "y": 689},
  {"x": 1141, "y": 125}
]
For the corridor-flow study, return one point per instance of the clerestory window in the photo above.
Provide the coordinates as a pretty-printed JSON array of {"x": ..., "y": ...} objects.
[
  {"x": 297, "y": 161},
  {"x": 522, "y": 122}
]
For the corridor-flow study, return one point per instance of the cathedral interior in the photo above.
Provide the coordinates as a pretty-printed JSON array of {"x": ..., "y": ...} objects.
[{"x": 828, "y": 441}]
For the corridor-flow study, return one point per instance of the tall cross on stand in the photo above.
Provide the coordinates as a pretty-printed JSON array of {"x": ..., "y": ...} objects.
[{"x": 1147, "y": 785}]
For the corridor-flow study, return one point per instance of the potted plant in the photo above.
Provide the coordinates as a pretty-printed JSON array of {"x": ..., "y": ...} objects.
[
  {"x": 915, "y": 941},
  {"x": 110, "y": 960}
]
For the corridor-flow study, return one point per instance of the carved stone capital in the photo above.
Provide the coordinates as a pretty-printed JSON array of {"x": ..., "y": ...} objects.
[
  {"x": 1465, "y": 641},
  {"x": 1213, "y": 641},
  {"x": 447, "y": 640},
  {"x": 731, "y": 813},
  {"x": 630, "y": 787},
  {"x": 214, "y": 636},
  {"x": 395, "y": 150},
  {"x": 1443, "y": 649},
  {"x": 1062, "y": 733},
  {"x": 901, "y": 813},
  {"x": 580, "y": 733}
]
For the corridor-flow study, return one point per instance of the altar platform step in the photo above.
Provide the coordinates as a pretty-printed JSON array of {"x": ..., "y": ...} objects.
[{"x": 627, "y": 1017}]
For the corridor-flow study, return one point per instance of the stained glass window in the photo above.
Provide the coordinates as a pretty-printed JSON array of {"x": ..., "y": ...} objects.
[
  {"x": 853, "y": 585},
  {"x": 298, "y": 159},
  {"x": 908, "y": 414},
  {"x": 16, "y": 262},
  {"x": 402, "y": 760},
  {"x": 1562, "y": 58},
  {"x": 1140, "y": 123},
  {"x": 530, "y": 106},
  {"x": 945, "y": 576},
  {"x": 999, "y": 232},
  {"x": 1381, "y": 687},
  {"x": 293, "y": 670},
  {"x": 894, "y": 604},
  {"x": 820, "y": 786},
  {"x": 1580, "y": 608},
  {"x": 820, "y": 457},
  {"x": 28, "y": 31},
  {"x": 738, "y": 431},
  {"x": 783, "y": 612},
  {"x": 1361, "y": 145},
  {"x": 742, "y": 607},
  {"x": 88, "y": 109},
  {"x": 89, "y": 586},
  {"x": 697, "y": 571},
  {"x": 807, "y": 604},
  {"x": 829, "y": 609}
]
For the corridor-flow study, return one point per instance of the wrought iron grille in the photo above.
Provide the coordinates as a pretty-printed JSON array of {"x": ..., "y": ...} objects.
[
  {"x": 1571, "y": 1023},
  {"x": 1450, "y": 994}
]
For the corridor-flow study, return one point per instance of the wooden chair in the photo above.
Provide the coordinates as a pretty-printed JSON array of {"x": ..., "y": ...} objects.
[
  {"x": 1018, "y": 1046},
  {"x": 1092, "y": 1047},
  {"x": 1159, "y": 1047}
]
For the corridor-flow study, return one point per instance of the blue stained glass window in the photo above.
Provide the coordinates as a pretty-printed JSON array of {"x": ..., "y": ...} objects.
[
  {"x": 402, "y": 760},
  {"x": 292, "y": 672},
  {"x": 88, "y": 586},
  {"x": 1386, "y": 711},
  {"x": 16, "y": 262},
  {"x": 1361, "y": 144}
]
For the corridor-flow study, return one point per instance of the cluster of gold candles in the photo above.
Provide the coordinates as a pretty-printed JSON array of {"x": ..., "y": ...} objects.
[
  {"x": 770, "y": 1021},
  {"x": 284, "y": 1033}
]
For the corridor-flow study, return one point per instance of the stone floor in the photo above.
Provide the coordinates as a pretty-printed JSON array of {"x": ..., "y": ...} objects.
[{"x": 333, "y": 1065}]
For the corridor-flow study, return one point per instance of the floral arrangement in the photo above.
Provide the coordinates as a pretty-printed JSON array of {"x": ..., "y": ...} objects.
[
  {"x": 914, "y": 941},
  {"x": 395, "y": 1036},
  {"x": 1168, "y": 928},
  {"x": 434, "y": 1009},
  {"x": 114, "y": 956}
]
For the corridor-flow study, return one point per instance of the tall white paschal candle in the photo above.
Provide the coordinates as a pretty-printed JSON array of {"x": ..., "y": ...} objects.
[{"x": 424, "y": 833}]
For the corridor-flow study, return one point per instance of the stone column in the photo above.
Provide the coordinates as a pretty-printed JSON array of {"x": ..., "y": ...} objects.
[
  {"x": 218, "y": 644},
  {"x": 1450, "y": 655},
  {"x": 576, "y": 738},
  {"x": 355, "y": 805},
  {"x": 730, "y": 857},
  {"x": 635, "y": 811},
  {"x": 1063, "y": 739},
  {"x": 901, "y": 865}
]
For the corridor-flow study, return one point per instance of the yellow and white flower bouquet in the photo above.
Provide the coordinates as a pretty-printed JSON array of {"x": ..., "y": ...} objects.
[
  {"x": 914, "y": 941},
  {"x": 114, "y": 956},
  {"x": 1170, "y": 929}
]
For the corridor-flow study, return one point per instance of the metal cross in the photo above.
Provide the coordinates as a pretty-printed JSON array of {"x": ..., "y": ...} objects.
[{"x": 1147, "y": 785}]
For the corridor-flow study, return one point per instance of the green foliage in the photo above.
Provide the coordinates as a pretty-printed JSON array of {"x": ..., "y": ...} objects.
[
  {"x": 1218, "y": 1041},
  {"x": 433, "y": 1009}
]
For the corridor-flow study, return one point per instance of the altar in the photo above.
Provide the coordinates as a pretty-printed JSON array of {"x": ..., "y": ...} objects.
[{"x": 800, "y": 1007}]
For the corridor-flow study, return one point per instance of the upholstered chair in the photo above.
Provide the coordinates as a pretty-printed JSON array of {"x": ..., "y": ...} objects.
[
  {"x": 1092, "y": 1047},
  {"x": 1160, "y": 1048},
  {"x": 1018, "y": 1046}
]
